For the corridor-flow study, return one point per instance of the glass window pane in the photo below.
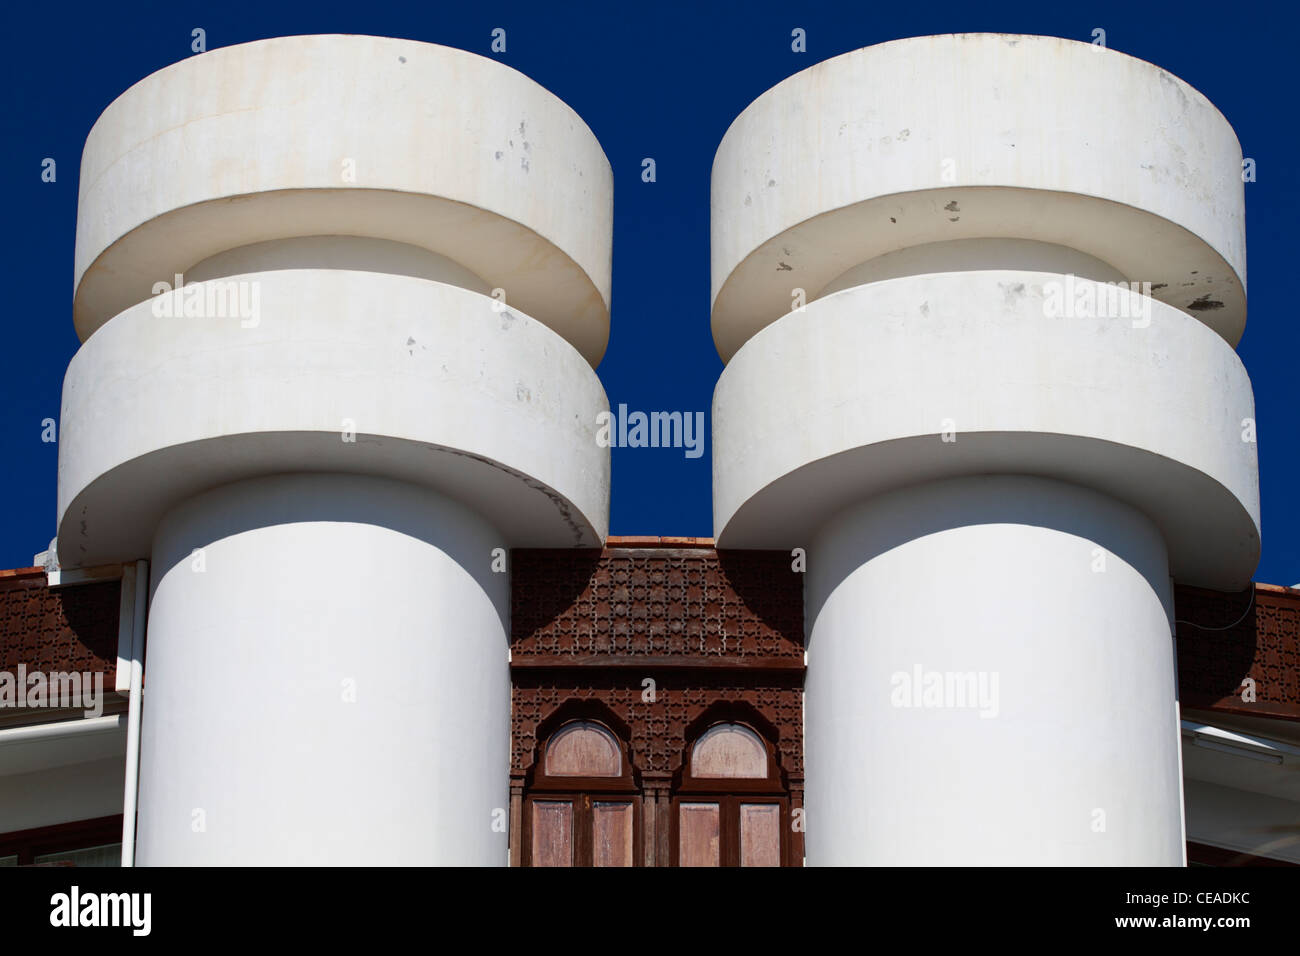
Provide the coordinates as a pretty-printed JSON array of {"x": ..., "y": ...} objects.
[
  {"x": 110, "y": 854},
  {"x": 8, "y": 860},
  {"x": 729, "y": 750},
  {"x": 697, "y": 835},
  {"x": 583, "y": 749},
  {"x": 552, "y": 833},
  {"x": 611, "y": 843},
  {"x": 760, "y": 834}
]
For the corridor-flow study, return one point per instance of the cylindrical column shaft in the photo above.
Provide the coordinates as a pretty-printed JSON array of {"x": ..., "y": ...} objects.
[
  {"x": 327, "y": 678},
  {"x": 957, "y": 631}
]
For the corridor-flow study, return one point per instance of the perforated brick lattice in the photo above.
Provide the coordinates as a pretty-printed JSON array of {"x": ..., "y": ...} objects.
[
  {"x": 735, "y": 606},
  {"x": 61, "y": 630},
  {"x": 1263, "y": 646}
]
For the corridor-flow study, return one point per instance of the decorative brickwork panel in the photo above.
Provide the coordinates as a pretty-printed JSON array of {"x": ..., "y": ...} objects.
[
  {"x": 710, "y": 629},
  {"x": 63, "y": 630},
  {"x": 733, "y": 607},
  {"x": 1223, "y": 639},
  {"x": 658, "y": 737}
]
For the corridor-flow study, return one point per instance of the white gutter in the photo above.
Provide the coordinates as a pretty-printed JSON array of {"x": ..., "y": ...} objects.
[
  {"x": 141, "y": 603},
  {"x": 61, "y": 728},
  {"x": 1178, "y": 721}
]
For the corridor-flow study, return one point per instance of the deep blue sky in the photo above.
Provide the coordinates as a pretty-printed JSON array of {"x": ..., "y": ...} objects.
[{"x": 653, "y": 79}]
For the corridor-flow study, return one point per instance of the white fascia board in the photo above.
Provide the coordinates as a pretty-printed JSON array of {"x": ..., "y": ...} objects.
[
  {"x": 1229, "y": 741},
  {"x": 68, "y": 577}
]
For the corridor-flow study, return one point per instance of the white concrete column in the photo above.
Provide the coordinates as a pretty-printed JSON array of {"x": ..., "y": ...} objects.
[
  {"x": 963, "y": 637},
  {"x": 327, "y": 678},
  {"x": 374, "y": 380},
  {"x": 995, "y": 457}
]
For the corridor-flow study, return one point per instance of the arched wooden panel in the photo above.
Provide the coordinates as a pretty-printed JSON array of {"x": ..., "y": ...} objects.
[
  {"x": 729, "y": 750},
  {"x": 583, "y": 749}
]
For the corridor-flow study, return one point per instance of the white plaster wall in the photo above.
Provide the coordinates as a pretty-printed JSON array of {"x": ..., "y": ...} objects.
[
  {"x": 975, "y": 255},
  {"x": 311, "y": 581},
  {"x": 348, "y": 253},
  {"x": 852, "y": 397},
  {"x": 965, "y": 136},
  {"x": 441, "y": 385},
  {"x": 992, "y": 574},
  {"x": 348, "y": 135}
]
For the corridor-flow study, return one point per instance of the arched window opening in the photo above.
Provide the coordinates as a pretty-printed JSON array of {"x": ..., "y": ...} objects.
[
  {"x": 731, "y": 807},
  {"x": 583, "y": 806}
]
